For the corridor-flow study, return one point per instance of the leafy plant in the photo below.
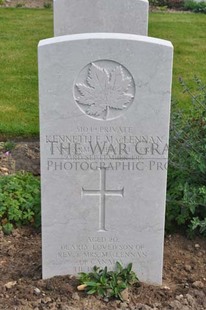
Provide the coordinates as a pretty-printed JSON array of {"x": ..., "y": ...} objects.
[
  {"x": 47, "y": 5},
  {"x": 108, "y": 284},
  {"x": 186, "y": 200},
  {"x": 19, "y": 201},
  {"x": 196, "y": 7},
  {"x": 2, "y": 2},
  {"x": 7, "y": 228},
  {"x": 9, "y": 146}
]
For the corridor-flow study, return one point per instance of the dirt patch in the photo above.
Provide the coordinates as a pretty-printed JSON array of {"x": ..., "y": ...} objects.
[
  {"x": 21, "y": 287},
  {"x": 22, "y": 156}
]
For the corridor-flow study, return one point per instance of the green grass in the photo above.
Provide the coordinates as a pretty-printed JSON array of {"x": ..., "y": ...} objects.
[
  {"x": 187, "y": 33},
  {"x": 20, "y": 32}
]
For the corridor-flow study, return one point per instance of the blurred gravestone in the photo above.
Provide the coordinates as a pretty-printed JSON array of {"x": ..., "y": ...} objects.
[{"x": 84, "y": 16}]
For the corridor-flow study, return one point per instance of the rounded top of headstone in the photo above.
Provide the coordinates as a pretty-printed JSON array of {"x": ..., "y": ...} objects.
[{"x": 122, "y": 16}]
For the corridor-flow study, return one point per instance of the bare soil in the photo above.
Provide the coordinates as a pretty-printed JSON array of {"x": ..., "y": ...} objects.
[{"x": 21, "y": 287}]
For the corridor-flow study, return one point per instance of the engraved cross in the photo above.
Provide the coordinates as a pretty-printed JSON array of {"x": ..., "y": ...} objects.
[{"x": 102, "y": 193}]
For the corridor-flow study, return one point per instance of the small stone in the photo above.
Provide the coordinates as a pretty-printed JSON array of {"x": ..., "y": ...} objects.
[
  {"x": 125, "y": 294},
  {"x": 10, "y": 284},
  {"x": 191, "y": 300},
  {"x": 72, "y": 277},
  {"x": 157, "y": 304},
  {"x": 179, "y": 297},
  {"x": 23, "y": 302},
  {"x": 186, "y": 285},
  {"x": 106, "y": 299},
  {"x": 81, "y": 287},
  {"x": 37, "y": 291},
  {"x": 165, "y": 287},
  {"x": 197, "y": 246},
  {"x": 123, "y": 306},
  {"x": 188, "y": 268},
  {"x": 3, "y": 262},
  {"x": 175, "y": 305},
  {"x": 46, "y": 300},
  {"x": 75, "y": 296},
  {"x": 198, "y": 284},
  {"x": 3, "y": 169}
]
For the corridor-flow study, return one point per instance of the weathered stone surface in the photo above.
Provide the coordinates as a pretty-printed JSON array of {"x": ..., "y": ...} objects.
[
  {"x": 83, "y": 16},
  {"x": 104, "y": 116}
]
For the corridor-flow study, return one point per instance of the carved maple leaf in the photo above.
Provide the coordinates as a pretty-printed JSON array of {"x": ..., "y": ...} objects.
[{"x": 104, "y": 90}]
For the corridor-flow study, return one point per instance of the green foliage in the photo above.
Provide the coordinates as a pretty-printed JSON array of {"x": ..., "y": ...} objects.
[
  {"x": 186, "y": 205},
  {"x": 19, "y": 201},
  {"x": 2, "y": 2},
  {"x": 172, "y": 4},
  {"x": 47, "y": 5},
  {"x": 7, "y": 228},
  {"x": 9, "y": 146},
  {"x": 188, "y": 5},
  {"x": 19, "y": 5},
  {"x": 158, "y": 3},
  {"x": 196, "y": 7},
  {"x": 108, "y": 284}
]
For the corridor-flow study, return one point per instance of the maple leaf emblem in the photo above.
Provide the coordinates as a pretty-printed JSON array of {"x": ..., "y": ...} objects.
[{"x": 104, "y": 90}]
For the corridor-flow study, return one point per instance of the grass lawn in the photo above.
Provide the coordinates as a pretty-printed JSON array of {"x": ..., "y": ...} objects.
[
  {"x": 187, "y": 33},
  {"x": 20, "y": 32}
]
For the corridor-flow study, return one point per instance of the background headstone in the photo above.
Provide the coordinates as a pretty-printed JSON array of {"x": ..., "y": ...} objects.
[
  {"x": 104, "y": 118},
  {"x": 83, "y": 16}
]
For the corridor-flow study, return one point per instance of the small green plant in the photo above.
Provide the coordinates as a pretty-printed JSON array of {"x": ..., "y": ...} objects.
[
  {"x": 7, "y": 228},
  {"x": 186, "y": 199},
  {"x": 6, "y": 147},
  {"x": 2, "y": 2},
  {"x": 47, "y": 5},
  {"x": 19, "y": 201},
  {"x": 19, "y": 5},
  {"x": 9, "y": 146},
  {"x": 108, "y": 284}
]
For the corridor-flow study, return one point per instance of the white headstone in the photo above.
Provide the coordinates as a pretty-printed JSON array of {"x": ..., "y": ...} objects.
[
  {"x": 104, "y": 116},
  {"x": 82, "y": 16}
]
